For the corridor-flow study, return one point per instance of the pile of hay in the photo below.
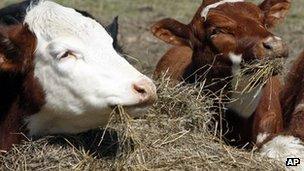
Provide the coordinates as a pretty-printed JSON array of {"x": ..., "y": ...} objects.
[{"x": 177, "y": 133}]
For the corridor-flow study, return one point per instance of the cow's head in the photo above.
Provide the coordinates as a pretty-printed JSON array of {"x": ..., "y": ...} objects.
[
  {"x": 74, "y": 61},
  {"x": 228, "y": 32}
]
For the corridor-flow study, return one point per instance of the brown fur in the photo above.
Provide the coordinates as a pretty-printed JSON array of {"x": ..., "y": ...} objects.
[
  {"x": 292, "y": 87},
  {"x": 268, "y": 115},
  {"x": 20, "y": 93},
  {"x": 176, "y": 70},
  {"x": 292, "y": 97}
]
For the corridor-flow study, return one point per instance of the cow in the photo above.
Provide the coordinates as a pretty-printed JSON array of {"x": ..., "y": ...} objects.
[
  {"x": 60, "y": 73},
  {"x": 211, "y": 48}
]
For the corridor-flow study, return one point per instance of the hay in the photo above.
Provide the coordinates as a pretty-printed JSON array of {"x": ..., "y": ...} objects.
[
  {"x": 256, "y": 74},
  {"x": 177, "y": 133}
]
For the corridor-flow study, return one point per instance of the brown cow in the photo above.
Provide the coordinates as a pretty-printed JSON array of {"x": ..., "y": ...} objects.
[{"x": 221, "y": 35}]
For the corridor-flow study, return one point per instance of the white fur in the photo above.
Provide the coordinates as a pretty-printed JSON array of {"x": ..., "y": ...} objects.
[
  {"x": 299, "y": 108},
  {"x": 206, "y": 10},
  {"x": 283, "y": 147},
  {"x": 81, "y": 88},
  {"x": 244, "y": 104},
  {"x": 262, "y": 137},
  {"x": 272, "y": 39},
  {"x": 236, "y": 61},
  {"x": 278, "y": 15}
]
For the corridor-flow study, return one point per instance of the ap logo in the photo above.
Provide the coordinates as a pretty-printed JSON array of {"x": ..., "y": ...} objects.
[{"x": 292, "y": 161}]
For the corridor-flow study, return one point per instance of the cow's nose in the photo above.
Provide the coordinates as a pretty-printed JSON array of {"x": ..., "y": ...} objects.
[
  {"x": 274, "y": 47},
  {"x": 146, "y": 91}
]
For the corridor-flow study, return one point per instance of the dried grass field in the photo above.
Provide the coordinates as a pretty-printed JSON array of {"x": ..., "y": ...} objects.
[{"x": 177, "y": 133}]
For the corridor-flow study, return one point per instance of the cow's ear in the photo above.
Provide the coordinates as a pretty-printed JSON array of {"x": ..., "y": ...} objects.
[
  {"x": 8, "y": 48},
  {"x": 8, "y": 53},
  {"x": 3, "y": 55},
  {"x": 2, "y": 58},
  {"x": 274, "y": 11},
  {"x": 112, "y": 29},
  {"x": 172, "y": 32}
]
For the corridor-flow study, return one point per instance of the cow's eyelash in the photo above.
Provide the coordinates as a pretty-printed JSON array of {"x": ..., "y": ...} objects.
[{"x": 66, "y": 54}]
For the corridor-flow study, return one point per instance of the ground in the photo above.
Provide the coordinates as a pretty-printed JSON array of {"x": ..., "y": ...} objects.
[{"x": 179, "y": 147}]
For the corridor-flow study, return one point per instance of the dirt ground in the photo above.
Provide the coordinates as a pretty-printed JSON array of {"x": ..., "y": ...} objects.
[{"x": 137, "y": 16}]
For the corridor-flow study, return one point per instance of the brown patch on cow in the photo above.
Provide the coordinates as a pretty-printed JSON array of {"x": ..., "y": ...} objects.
[{"x": 20, "y": 93}]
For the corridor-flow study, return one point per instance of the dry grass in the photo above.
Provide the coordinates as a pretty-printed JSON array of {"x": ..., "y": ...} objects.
[
  {"x": 256, "y": 74},
  {"x": 177, "y": 133}
]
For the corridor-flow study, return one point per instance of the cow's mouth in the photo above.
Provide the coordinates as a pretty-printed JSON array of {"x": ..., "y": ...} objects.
[
  {"x": 269, "y": 66},
  {"x": 257, "y": 73}
]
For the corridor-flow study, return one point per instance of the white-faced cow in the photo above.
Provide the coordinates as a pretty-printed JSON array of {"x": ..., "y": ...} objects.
[
  {"x": 59, "y": 73},
  {"x": 221, "y": 36}
]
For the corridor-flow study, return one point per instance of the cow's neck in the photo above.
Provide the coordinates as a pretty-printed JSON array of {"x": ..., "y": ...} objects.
[
  {"x": 216, "y": 73},
  {"x": 19, "y": 98}
]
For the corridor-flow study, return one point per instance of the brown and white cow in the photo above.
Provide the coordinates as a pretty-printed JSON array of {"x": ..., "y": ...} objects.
[
  {"x": 59, "y": 73},
  {"x": 221, "y": 35}
]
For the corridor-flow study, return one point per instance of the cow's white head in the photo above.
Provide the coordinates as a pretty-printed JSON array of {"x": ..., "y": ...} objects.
[{"x": 82, "y": 75}]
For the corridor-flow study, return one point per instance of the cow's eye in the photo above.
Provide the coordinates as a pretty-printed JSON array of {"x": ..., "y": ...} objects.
[
  {"x": 214, "y": 32},
  {"x": 67, "y": 54}
]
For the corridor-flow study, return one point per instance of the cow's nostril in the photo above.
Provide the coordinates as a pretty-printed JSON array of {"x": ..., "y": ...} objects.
[
  {"x": 267, "y": 46},
  {"x": 145, "y": 91},
  {"x": 140, "y": 89}
]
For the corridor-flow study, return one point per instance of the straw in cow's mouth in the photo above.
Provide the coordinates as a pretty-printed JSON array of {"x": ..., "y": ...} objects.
[{"x": 256, "y": 74}]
